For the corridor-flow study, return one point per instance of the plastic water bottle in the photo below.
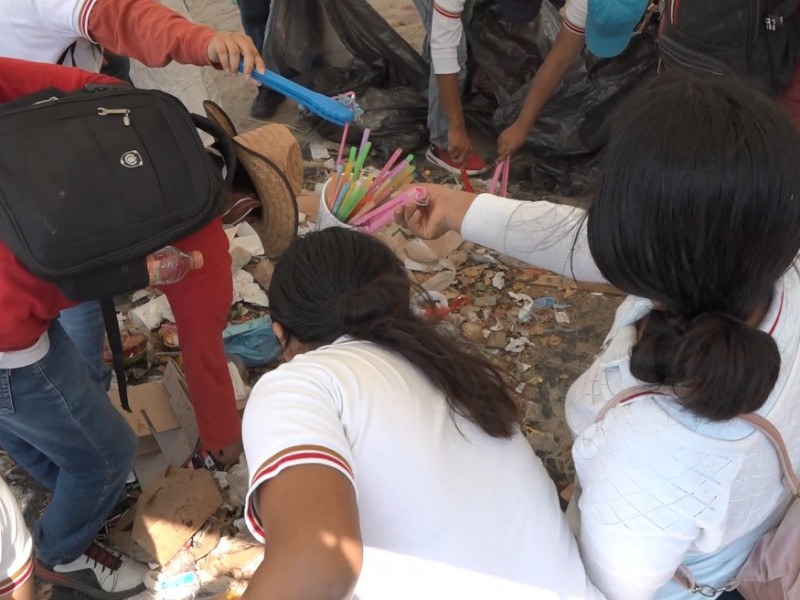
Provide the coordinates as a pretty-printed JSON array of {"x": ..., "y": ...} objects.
[{"x": 170, "y": 265}]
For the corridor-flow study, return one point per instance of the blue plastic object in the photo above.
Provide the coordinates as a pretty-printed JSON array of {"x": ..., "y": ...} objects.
[{"x": 321, "y": 105}]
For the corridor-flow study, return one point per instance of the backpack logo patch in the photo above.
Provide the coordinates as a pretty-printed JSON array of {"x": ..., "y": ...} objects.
[{"x": 131, "y": 159}]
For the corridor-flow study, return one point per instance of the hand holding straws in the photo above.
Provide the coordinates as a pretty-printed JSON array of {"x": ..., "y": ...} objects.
[{"x": 364, "y": 201}]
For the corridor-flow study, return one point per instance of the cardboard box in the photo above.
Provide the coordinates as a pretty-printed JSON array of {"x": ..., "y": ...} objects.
[
  {"x": 172, "y": 509},
  {"x": 163, "y": 418}
]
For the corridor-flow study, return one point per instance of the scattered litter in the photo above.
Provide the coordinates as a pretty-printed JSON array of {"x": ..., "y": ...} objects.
[
  {"x": 483, "y": 301},
  {"x": 418, "y": 251},
  {"x": 150, "y": 315},
  {"x": 252, "y": 341},
  {"x": 499, "y": 280},
  {"x": 245, "y": 289},
  {"x": 562, "y": 318},
  {"x": 319, "y": 151},
  {"x": 239, "y": 257},
  {"x": 527, "y": 303},
  {"x": 440, "y": 281},
  {"x": 484, "y": 259},
  {"x": 548, "y": 302},
  {"x": 520, "y": 388},
  {"x": 517, "y": 345},
  {"x": 496, "y": 339}
]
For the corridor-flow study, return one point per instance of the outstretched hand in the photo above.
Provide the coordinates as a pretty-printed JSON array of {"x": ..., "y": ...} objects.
[
  {"x": 444, "y": 211},
  {"x": 228, "y": 49}
]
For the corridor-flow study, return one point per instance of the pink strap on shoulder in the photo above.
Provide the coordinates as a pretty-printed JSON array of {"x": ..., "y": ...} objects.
[
  {"x": 776, "y": 439},
  {"x": 632, "y": 393},
  {"x": 755, "y": 420}
]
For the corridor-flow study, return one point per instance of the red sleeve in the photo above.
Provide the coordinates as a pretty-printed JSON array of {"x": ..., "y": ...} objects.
[
  {"x": 19, "y": 78},
  {"x": 149, "y": 32}
]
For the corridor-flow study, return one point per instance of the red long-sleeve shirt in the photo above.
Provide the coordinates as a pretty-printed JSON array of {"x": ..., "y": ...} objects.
[
  {"x": 28, "y": 304},
  {"x": 41, "y": 30}
]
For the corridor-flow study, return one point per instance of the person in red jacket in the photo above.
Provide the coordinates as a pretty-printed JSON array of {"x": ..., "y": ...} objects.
[
  {"x": 55, "y": 421},
  {"x": 69, "y": 32}
]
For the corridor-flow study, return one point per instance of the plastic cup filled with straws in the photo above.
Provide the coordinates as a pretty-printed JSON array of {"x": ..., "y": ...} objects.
[{"x": 366, "y": 201}]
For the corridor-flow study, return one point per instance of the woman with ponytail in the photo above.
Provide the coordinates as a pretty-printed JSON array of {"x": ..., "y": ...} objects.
[
  {"x": 697, "y": 217},
  {"x": 380, "y": 430}
]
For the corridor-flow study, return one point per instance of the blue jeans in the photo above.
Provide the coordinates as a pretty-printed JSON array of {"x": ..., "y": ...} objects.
[
  {"x": 84, "y": 326},
  {"x": 437, "y": 120},
  {"x": 255, "y": 14},
  {"x": 60, "y": 426}
]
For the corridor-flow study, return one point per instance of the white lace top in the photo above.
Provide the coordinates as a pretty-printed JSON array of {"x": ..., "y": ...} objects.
[{"x": 660, "y": 487}]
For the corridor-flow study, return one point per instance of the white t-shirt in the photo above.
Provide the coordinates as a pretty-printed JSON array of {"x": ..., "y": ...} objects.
[
  {"x": 16, "y": 547},
  {"x": 660, "y": 487},
  {"x": 41, "y": 30},
  {"x": 426, "y": 487}
]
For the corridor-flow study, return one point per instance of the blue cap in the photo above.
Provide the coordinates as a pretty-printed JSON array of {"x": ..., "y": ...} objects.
[{"x": 610, "y": 24}]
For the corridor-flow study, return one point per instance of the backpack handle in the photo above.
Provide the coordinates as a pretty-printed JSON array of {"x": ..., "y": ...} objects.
[{"x": 225, "y": 143}]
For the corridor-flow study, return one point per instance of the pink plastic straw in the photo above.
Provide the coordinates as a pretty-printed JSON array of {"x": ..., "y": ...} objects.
[
  {"x": 342, "y": 145},
  {"x": 506, "y": 169},
  {"x": 364, "y": 139},
  {"x": 384, "y": 171},
  {"x": 498, "y": 170},
  {"x": 417, "y": 194},
  {"x": 344, "y": 134}
]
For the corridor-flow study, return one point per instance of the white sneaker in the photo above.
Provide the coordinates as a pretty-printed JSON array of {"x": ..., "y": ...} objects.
[{"x": 100, "y": 573}]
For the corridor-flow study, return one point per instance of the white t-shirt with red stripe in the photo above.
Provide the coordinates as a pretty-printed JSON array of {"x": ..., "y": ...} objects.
[
  {"x": 447, "y": 29},
  {"x": 427, "y": 486},
  {"x": 41, "y": 30},
  {"x": 16, "y": 547}
]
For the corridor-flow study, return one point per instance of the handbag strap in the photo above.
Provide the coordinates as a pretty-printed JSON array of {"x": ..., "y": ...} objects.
[
  {"x": 776, "y": 439},
  {"x": 755, "y": 420}
]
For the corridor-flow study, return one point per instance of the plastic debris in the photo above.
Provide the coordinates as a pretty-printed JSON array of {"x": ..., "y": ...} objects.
[{"x": 252, "y": 341}]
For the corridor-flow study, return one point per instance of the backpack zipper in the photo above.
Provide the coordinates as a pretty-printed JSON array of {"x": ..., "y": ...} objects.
[{"x": 125, "y": 112}]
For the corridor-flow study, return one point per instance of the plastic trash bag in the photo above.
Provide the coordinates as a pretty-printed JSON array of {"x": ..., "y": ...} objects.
[
  {"x": 396, "y": 118},
  {"x": 252, "y": 341},
  {"x": 336, "y": 47},
  {"x": 572, "y": 127}
]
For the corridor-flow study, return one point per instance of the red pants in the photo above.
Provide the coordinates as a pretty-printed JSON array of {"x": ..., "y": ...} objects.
[{"x": 201, "y": 303}]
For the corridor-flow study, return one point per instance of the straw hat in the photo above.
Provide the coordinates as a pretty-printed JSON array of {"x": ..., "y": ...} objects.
[{"x": 271, "y": 157}]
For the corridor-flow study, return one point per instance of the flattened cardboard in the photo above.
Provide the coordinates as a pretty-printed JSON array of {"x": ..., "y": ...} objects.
[
  {"x": 164, "y": 439},
  {"x": 172, "y": 509},
  {"x": 151, "y": 398}
]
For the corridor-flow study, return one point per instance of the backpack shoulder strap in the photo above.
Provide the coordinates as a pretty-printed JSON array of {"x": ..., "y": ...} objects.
[{"x": 776, "y": 439}]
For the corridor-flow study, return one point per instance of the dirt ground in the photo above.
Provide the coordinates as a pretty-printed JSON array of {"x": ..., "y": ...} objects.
[
  {"x": 559, "y": 341},
  {"x": 554, "y": 365}
]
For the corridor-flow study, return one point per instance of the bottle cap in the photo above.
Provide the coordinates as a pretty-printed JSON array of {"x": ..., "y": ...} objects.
[{"x": 197, "y": 259}]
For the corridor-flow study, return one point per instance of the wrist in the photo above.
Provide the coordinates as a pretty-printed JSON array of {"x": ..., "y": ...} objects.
[{"x": 459, "y": 208}]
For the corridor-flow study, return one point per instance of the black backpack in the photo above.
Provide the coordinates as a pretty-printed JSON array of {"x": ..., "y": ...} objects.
[
  {"x": 93, "y": 181},
  {"x": 754, "y": 39}
]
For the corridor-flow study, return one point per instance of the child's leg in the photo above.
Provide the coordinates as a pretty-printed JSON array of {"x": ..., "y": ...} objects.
[
  {"x": 84, "y": 326},
  {"x": 437, "y": 120},
  {"x": 54, "y": 411},
  {"x": 201, "y": 303}
]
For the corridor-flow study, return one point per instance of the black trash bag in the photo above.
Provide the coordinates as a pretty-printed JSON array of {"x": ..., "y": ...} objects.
[
  {"x": 572, "y": 127},
  {"x": 335, "y": 47},
  {"x": 396, "y": 118}
]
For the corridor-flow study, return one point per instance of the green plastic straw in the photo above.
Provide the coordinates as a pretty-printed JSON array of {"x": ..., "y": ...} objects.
[{"x": 362, "y": 156}]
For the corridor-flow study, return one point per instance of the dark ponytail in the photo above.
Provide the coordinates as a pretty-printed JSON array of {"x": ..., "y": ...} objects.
[
  {"x": 720, "y": 366},
  {"x": 698, "y": 210},
  {"x": 339, "y": 282}
]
